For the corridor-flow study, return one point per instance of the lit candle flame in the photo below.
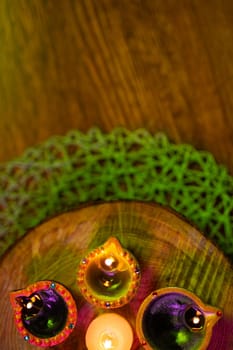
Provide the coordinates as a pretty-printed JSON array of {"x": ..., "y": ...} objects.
[{"x": 109, "y": 331}]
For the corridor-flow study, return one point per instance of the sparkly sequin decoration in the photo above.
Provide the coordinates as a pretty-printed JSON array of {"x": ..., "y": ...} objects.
[
  {"x": 44, "y": 313},
  {"x": 174, "y": 318},
  {"x": 109, "y": 275}
]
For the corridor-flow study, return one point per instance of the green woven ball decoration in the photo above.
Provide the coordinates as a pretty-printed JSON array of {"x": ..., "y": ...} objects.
[{"x": 66, "y": 171}]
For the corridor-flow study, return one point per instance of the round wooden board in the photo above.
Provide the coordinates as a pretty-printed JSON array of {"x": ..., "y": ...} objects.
[{"x": 171, "y": 252}]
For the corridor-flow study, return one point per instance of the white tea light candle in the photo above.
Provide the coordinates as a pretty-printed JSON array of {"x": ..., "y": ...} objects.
[{"x": 109, "y": 331}]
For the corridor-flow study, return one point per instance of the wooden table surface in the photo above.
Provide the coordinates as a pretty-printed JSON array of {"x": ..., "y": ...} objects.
[
  {"x": 162, "y": 65},
  {"x": 170, "y": 253}
]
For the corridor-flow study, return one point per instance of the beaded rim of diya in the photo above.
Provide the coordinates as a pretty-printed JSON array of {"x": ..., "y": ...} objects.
[
  {"x": 110, "y": 259},
  {"x": 211, "y": 315},
  {"x": 69, "y": 324}
]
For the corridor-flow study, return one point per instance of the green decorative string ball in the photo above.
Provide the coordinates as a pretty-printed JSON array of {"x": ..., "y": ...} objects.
[{"x": 66, "y": 171}]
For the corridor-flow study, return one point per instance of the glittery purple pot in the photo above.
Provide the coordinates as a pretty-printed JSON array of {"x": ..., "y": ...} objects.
[
  {"x": 174, "y": 319},
  {"x": 50, "y": 318},
  {"x": 45, "y": 313}
]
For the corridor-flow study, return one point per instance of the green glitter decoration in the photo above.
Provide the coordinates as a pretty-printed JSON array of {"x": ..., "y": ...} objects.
[
  {"x": 182, "y": 337},
  {"x": 51, "y": 323},
  {"x": 69, "y": 170}
]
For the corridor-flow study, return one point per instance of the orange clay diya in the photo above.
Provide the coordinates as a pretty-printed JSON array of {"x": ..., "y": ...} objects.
[
  {"x": 45, "y": 313},
  {"x": 174, "y": 318},
  {"x": 109, "y": 276}
]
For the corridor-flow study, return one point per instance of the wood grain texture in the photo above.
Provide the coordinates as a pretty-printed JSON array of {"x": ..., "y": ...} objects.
[
  {"x": 169, "y": 250},
  {"x": 165, "y": 66}
]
